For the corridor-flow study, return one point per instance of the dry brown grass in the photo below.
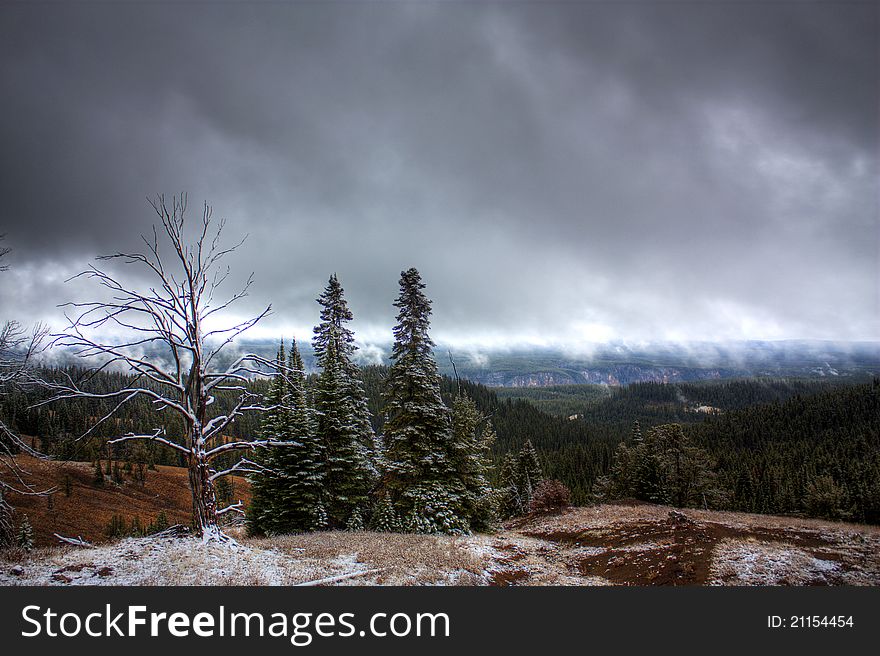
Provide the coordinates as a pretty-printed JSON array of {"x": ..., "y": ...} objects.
[
  {"x": 88, "y": 509},
  {"x": 405, "y": 559},
  {"x": 609, "y": 515}
]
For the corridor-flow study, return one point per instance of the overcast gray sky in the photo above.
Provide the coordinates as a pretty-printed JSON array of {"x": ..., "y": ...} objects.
[{"x": 568, "y": 172}]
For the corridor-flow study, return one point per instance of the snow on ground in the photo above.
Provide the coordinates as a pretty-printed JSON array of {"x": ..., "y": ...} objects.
[
  {"x": 602, "y": 545},
  {"x": 744, "y": 562},
  {"x": 402, "y": 559},
  {"x": 170, "y": 561},
  {"x": 373, "y": 558}
]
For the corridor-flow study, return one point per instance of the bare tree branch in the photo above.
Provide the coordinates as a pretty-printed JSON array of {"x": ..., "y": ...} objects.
[
  {"x": 17, "y": 350},
  {"x": 235, "y": 507},
  {"x": 170, "y": 348}
]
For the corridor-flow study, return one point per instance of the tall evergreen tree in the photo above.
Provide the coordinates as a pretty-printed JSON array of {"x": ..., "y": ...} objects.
[
  {"x": 511, "y": 502},
  {"x": 519, "y": 477},
  {"x": 530, "y": 473},
  {"x": 288, "y": 493},
  {"x": 304, "y": 463},
  {"x": 343, "y": 416},
  {"x": 664, "y": 467},
  {"x": 419, "y": 474},
  {"x": 267, "y": 486},
  {"x": 470, "y": 451}
]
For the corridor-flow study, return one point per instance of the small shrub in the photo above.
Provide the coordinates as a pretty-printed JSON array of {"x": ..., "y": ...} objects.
[
  {"x": 25, "y": 538},
  {"x": 355, "y": 521},
  {"x": 551, "y": 496},
  {"x": 385, "y": 518},
  {"x": 319, "y": 518},
  {"x": 160, "y": 524},
  {"x": 99, "y": 475},
  {"x": 117, "y": 527}
]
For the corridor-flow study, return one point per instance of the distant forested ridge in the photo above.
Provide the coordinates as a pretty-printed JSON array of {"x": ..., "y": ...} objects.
[
  {"x": 778, "y": 446},
  {"x": 818, "y": 454}
]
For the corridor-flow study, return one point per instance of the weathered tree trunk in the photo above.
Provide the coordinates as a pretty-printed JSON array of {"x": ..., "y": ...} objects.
[
  {"x": 7, "y": 527},
  {"x": 204, "y": 496}
]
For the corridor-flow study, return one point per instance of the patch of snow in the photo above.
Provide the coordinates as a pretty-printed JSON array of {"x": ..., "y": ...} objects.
[
  {"x": 165, "y": 561},
  {"x": 739, "y": 562}
]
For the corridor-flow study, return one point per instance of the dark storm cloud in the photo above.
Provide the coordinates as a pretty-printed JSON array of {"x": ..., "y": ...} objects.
[{"x": 556, "y": 171}]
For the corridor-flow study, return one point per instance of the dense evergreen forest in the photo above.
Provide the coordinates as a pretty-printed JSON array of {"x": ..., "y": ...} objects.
[{"x": 777, "y": 446}]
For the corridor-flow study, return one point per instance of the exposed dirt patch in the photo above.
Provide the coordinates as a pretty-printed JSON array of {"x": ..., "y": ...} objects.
[
  {"x": 640, "y": 544},
  {"x": 675, "y": 551},
  {"x": 509, "y": 577}
]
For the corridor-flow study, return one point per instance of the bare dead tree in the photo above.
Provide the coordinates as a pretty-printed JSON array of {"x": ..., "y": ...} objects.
[
  {"x": 17, "y": 348},
  {"x": 4, "y": 250},
  {"x": 172, "y": 317}
]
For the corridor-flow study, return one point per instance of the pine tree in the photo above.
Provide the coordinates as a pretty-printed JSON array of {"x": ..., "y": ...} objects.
[
  {"x": 302, "y": 463},
  {"x": 319, "y": 518},
  {"x": 343, "y": 416},
  {"x": 620, "y": 481},
  {"x": 99, "y": 475},
  {"x": 355, "y": 521},
  {"x": 663, "y": 467},
  {"x": 824, "y": 498},
  {"x": 384, "y": 517},
  {"x": 117, "y": 473},
  {"x": 636, "y": 435},
  {"x": 488, "y": 516},
  {"x": 529, "y": 472},
  {"x": 267, "y": 487},
  {"x": 160, "y": 523},
  {"x": 287, "y": 493},
  {"x": 470, "y": 451},
  {"x": 419, "y": 473},
  {"x": 25, "y": 534},
  {"x": 511, "y": 502}
]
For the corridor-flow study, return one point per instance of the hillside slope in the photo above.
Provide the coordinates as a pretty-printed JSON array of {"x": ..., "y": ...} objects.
[{"x": 89, "y": 508}]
